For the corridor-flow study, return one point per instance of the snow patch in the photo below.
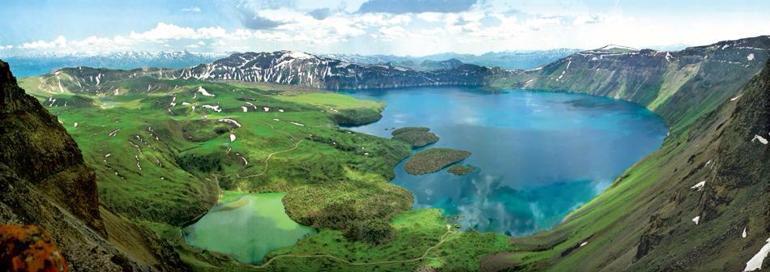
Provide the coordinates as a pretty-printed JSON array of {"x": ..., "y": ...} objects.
[
  {"x": 583, "y": 243},
  {"x": 245, "y": 109},
  {"x": 565, "y": 70},
  {"x": 214, "y": 108},
  {"x": 699, "y": 186},
  {"x": 734, "y": 98},
  {"x": 750, "y": 57},
  {"x": 266, "y": 109},
  {"x": 232, "y": 137},
  {"x": 760, "y": 139},
  {"x": 76, "y": 124},
  {"x": 203, "y": 91},
  {"x": 744, "y": 234},
  {"x": 755, "y": 263},
  {"x": 230, "y": 121},
  {"x": 299, "y": 55},
  {"x": 696, "y": 219},
  {"x": 297, "y": 124}
]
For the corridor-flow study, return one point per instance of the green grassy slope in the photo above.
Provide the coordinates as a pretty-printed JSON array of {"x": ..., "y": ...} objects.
[{"x": 644, "y": 221}]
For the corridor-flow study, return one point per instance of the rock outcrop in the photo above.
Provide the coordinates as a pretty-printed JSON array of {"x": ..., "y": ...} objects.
[
  {"x": 45, "y": 182},
  {"x": 38, "y": 149}
]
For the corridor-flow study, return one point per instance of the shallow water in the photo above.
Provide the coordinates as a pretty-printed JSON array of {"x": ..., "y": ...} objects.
[
  {"x": 539, "y": 154},
  {"x": 247, "y": 227}
]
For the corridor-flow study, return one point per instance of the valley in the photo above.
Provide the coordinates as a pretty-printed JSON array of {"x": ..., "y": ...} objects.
[
  {"x": 164, "y": 150},
  {"x": 164, "y": 157}
]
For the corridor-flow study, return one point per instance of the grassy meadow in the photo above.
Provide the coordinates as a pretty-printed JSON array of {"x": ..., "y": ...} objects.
[{"x": 166, "y": 151}]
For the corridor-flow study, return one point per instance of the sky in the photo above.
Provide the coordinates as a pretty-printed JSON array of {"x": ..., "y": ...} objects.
[{"x": 394, "y": 27}]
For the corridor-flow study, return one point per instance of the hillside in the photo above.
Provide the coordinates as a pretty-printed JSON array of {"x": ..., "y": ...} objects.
[
  {"x": 697, "y": 203},
  {"x": 680, "y": 86},
  {"x": 46, "y": 182}
]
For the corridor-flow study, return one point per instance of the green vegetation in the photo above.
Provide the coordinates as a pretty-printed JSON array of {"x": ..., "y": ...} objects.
[
  {"x": 344, "y": 110},
  {"x": 158, "y": 159},
  {"x": 461, "y": 170},
  {"x": 415, "y": 136},
  {"x": 162, "y": 164},
  {"x": 433, "y": 160},
  {"x": 421, "y": 239}
]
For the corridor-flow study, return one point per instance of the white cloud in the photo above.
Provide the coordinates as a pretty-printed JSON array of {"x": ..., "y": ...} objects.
[
  {"x": 192, "y": 9},
  {"x": 481, "y": 29}
]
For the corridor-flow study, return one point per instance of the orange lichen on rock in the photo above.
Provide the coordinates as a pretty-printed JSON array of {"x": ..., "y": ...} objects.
[{"x": 29, "y": 248}]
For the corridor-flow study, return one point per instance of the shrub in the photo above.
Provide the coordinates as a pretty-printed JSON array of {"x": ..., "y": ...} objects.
[{"x": 374, "y": 231}]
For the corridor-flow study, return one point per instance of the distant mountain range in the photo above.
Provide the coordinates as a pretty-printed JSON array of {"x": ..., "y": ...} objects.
[
  {"x": 34, "y": 65},
  {"x": 507, "y": 59},
  {"x": 283, "y": 67},
  {"x": 24, "y": 66},
  {"x": 613, "y": 70}
]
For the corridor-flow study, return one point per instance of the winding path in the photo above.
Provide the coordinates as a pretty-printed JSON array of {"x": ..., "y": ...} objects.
[
  {"x": 445, "y": 237},
  {"x": 269, "y": 156}
]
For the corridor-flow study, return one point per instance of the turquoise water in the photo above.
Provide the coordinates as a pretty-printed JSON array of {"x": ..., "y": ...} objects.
[
  {"x": 539, "y": 154},
  {"x": 246, "y": 227}
]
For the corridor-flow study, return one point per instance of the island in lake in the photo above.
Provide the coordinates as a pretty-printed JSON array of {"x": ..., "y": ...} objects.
[
  {"x": 415, "y": 136},
  {"x": 461, "y": 169},
  {"x": 433, "y": 160}
]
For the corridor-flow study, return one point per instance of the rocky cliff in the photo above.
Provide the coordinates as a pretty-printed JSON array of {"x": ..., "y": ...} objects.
[
  {"x": 38, "y": 149},
  {"x": 44, "y": 182},
  {"x": 679, "y": 85}
]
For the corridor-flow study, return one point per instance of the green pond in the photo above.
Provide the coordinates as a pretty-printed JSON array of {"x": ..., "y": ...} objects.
[{"x": 246, "y": 227}]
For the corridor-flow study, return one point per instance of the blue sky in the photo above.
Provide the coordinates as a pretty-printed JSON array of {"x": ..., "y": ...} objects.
[{"x": 401, "y": 27}]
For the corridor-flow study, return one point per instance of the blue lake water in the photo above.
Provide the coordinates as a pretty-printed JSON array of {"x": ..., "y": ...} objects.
[{"x": 539, "y": 154}]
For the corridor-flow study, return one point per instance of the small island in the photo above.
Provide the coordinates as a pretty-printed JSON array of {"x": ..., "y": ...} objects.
[
  {"x": 415, "y": 136},
  {"x": 461, "y": 169},
  {"x": 433, "y": 160}
]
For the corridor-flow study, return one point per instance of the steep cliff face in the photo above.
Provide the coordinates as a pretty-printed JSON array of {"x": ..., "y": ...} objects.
[
  {"x": 44, "y": 182},
  {"x": 724, "y": 184},
  {"x": 680, "y": 86},
  {"x": 38, "y": 149},
  {"x": 699, "y": 203}
]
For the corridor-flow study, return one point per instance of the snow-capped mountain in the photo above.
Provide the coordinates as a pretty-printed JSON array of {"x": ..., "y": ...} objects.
[
  {"x": 506, "y": 59},
  {"x": 298, "y": 68},
  {"x": 32, "y": 65}
]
